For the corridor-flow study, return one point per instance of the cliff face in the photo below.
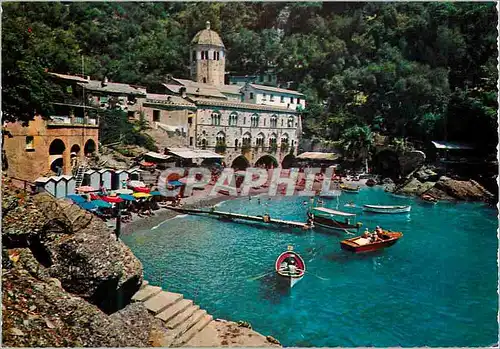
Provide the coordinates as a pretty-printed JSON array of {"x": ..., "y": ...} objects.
[{"x": 63, "y": 272}]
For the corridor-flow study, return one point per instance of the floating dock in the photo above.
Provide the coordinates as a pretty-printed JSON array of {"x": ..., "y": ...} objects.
[{"x": 232, "y": 216}]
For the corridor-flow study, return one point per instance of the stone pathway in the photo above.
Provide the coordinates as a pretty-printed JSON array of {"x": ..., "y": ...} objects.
[{"x": 181, "y": 317}]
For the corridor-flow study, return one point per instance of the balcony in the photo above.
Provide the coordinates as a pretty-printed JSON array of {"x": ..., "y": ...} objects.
[{"x": 67, "y": 121}]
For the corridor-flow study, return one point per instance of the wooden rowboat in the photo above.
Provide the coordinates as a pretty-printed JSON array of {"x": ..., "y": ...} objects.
[
  {"x": 361, "y": 244},
  {"x": 386, "y": 209},
  {"x": 290, "y": 267}
]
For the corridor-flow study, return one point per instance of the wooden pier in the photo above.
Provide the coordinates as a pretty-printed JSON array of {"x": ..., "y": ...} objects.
[{"x": 237, "y": 216}]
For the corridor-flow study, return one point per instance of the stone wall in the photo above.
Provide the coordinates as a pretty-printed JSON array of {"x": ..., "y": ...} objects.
[{"x": 29, "y": 164}]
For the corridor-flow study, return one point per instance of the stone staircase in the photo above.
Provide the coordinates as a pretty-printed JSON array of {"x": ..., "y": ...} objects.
[{"x": 182, "y": 318}]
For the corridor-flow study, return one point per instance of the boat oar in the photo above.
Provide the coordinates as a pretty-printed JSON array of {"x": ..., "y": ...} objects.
[
  {"x": 319, "y": 277},
  {"x": 260, "y": 276}
]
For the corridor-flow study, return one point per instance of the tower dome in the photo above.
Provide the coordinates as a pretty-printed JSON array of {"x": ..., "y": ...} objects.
[
  {"x": 208, "y": 62},
  {"x": 207, "y": 37}
]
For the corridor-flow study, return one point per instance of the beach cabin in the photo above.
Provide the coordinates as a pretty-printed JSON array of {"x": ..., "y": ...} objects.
[
  {"x": 105, "y": 175},
  {"x": 92, "y": 178},
  {"x": 70, "y": 185},
  {"x": 44, "y": 184}
]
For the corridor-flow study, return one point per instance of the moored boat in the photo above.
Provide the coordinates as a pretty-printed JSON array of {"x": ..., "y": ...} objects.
[
  {"x": 386, "y": 209},
  {"x": 364, "y": 243},
  {"x": 290, "y": 267},
  {"x": 349, "y": 189},
  {"x": 333, "y": 219}
]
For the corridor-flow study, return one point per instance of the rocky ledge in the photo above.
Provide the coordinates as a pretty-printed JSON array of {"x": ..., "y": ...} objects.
[{"x": 428, "y": 182}]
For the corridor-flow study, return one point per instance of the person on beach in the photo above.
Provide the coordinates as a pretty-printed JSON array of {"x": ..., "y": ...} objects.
[{"x": 102, "y": 189}]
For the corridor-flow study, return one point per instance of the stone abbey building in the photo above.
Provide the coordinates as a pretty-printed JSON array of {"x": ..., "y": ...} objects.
[{"x": 249, "y": 124}]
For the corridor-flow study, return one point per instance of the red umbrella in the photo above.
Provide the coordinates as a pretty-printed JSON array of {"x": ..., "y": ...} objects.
[
  {"x": 94, "y": 196},
  {"x": 112, "y": 199},
  {"x": 147, "y": 164},
  {"x": 141, "y": 190}
]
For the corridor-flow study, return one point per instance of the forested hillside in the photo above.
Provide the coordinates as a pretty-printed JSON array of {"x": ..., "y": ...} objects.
[{"x": 407, "y": 70}]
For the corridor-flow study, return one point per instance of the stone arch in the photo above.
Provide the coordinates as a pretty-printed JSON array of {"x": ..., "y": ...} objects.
[
  {"x": 284, "y": 138},
  {"x": 254, "y": 120},
  {"x": 57, "y": 147},
  {"x": 90, "y": 147},
  {"x": 240, "y": 163},
  {"x": 386, "y": 163},
  {"x": 56, "y": 156},
  {"x": 268, "y": 161},
  {"x": 75, "y": 150},
  {"x": 288, "y": 161}
]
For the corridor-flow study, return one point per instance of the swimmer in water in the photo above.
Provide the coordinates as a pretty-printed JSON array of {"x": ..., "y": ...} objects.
[{"x": 258, "y": 201}]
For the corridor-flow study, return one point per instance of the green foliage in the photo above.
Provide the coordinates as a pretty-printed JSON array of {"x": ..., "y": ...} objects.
[
  {"x": 357, "y": 142},
  {"x": 408, "y": 70},
  {"x": 115, "y": 127}
]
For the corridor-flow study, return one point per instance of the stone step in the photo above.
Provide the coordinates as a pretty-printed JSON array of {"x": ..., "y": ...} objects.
[
  {"x": 180, "y": 318},
  {"x": 144, "y": 284},
  {"x": 193, "y": 320},
  {"x": 169, "y": 313},
  {"x": 197, "y": 328},
  {"x": 145, "y": 293},
  {"x": 162, "y": 301}
]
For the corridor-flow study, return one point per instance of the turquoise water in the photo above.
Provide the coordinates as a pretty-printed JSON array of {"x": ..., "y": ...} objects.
[{"x": 436, "y": 287}]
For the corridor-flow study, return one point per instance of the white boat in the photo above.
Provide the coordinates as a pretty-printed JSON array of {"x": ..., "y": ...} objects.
[
  {"x": 287, "y": 275},
  {"x": 386, "y": 209}
]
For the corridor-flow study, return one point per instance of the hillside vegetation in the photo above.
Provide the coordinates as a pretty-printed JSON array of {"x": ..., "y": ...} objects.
[{"x": 417, "y": 71}]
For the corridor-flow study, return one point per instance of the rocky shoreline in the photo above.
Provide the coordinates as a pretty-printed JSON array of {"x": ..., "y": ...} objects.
[
  {"x": 67, "y": 281},
  {"x": 431, "y": 183}
]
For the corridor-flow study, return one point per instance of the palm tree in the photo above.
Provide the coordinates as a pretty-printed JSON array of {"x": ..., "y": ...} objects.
[{"x": 357, "y": 142}]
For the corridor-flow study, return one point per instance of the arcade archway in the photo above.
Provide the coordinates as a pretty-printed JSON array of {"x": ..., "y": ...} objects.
[
  {"x": 267, "y": 161},
  {"x": 240, "y": 163},
  {"x": 90, "y": 147},
  {"x": 288, "y": 161}
]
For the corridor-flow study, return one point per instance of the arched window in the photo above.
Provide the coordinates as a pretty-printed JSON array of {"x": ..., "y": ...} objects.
[
  {"x": 254, "y": 120},
  {"x": 284, "y": 138},
  {"x": 233, "y": 119},
  {"x": 247, "y": 139},
  {"x": 274, "y": 121},
  {"x": 220, "y": 138},
  {"x": 215, "y": 118},
  {"x": 236, "y": 144},
  {"x": 290, "y": 121},
  {"x": 259, "y": 141}
]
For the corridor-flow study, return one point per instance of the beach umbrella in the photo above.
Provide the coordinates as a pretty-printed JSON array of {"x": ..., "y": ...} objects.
[
  {"x": 94, "y": 196},
  {"x": 141, "y": 189},
  {"x": 101, "y": 204},
  {"x": 124, "y": 191},
  {"x": 134, "y": 184},
  {"x": 112, "y": 199},
  {"x": 77, "y": 199},
  {"x": 175, "y": 183},
  {"x": 85, "y": 189},
  {"x": 183, "y": 180},
  {"x": 89, "y": 206},
  {"x": 156, "y": 193},
  {"x": 141, "y": 195},
  {"x": 127, "y": 197}
]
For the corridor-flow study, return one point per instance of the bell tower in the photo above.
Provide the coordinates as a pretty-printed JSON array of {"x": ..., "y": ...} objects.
[{"x": 208, "y": 57}]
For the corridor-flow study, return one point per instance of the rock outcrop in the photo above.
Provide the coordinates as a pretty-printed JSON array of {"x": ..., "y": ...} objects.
[
  {"x": 463, "y": 190},
  {"x": 76, "y": 248},
  {"x": 414, "y": 187},
  {"x": 38, "y": 312},
  {"x": 410, "y": 161}
]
